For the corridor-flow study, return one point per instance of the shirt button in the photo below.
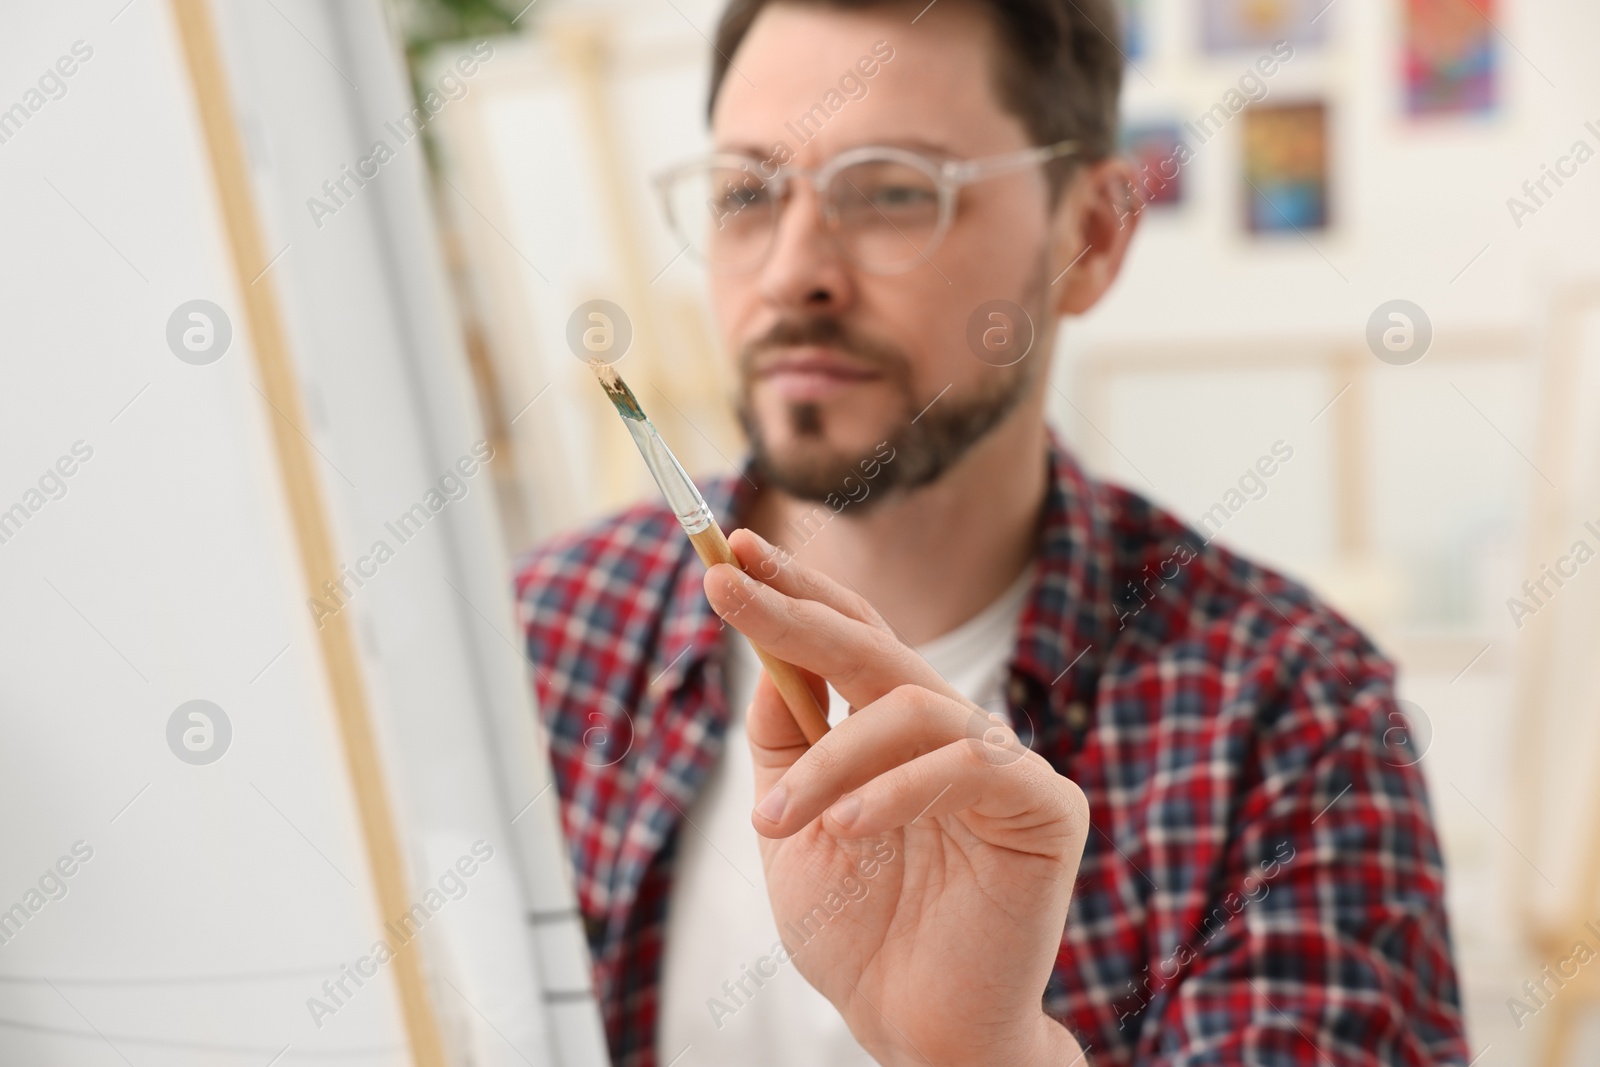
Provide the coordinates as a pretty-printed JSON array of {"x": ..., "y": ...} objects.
[
  {"x": 1017, "y": 692},
  {"x": 1077, "y": 715}
]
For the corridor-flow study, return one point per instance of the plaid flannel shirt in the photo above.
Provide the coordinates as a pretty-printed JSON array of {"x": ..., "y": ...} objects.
[{"x": 1262, "y": 883}]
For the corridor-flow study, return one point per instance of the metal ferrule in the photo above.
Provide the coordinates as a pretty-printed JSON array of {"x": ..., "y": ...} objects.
[{"x": 694, "y": 514}]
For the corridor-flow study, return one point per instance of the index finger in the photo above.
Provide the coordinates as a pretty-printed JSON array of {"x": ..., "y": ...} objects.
[
  {"x": 860, "y": 660},
  {"x": 776, "y": 740},
  {"x": 789, "y": 576}
]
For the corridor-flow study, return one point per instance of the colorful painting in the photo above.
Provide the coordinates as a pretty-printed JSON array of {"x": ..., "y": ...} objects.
[
  {"x": 1135, "y": 29},
  {"x": 1449, "y": 56},
  {"x": 1235, "y": 25},
  {"x": 1285, "y": 168},
  {"x": 1157, "y": 154}
]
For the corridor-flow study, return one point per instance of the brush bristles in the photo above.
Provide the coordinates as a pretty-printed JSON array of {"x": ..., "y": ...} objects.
[{"x": 622, "y": 397}]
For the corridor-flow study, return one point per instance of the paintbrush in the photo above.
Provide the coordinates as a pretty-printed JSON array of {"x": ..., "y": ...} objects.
[{"x": 694, "y": 515}]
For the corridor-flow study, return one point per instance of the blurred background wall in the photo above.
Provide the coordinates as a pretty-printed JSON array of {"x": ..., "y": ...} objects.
[{"x": 1396, "y": 150}]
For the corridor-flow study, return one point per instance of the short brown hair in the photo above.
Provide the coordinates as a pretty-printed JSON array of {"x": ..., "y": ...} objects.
[{"x": 1059, "y": 69}]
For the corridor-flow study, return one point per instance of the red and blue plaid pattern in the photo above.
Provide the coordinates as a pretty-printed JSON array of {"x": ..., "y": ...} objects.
[{"x": 1262, "y": 883}]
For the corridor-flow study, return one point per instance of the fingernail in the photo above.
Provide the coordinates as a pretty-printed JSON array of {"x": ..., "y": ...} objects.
[
  {"x": 761, "y": 542},
  {"x": 846, "y": 811},
  {"x": 772, "y": 805}
]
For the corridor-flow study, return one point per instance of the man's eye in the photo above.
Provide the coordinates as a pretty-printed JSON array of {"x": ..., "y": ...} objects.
[
  {"x": 736, "y": 197},
  {"x": 900, "y": 197}
]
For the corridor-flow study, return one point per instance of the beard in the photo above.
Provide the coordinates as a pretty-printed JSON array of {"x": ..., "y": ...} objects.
[{"x": 931, "y": 435}]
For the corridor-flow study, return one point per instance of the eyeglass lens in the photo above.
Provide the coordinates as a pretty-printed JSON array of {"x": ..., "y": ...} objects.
[{"x": 884, "y": 213}]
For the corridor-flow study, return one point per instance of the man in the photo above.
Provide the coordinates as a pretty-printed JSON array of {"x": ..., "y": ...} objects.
[{"x": 1104, "y": 793}]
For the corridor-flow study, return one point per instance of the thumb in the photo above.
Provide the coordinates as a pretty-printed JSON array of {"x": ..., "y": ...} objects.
[{"x": 775, "y": 738}]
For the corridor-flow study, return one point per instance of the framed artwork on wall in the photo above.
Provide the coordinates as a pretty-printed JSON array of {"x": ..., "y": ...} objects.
[
  {"x": 1157, "y": 152},
  {"x": 1235, "y": 25},
  {"x": 1284, "y": 172},
  {"x": 1449, "y": 57},
  {"x": 1135, "y": 29}
]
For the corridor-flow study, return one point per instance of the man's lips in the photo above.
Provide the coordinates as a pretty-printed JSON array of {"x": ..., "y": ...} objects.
[{"x": 811, "y": 373}]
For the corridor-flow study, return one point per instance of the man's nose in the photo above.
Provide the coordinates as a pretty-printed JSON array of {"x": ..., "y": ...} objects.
[{"x": 806, "y": 268}]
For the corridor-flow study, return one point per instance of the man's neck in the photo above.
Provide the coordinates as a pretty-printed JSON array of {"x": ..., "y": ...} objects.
[{"x": 930, "y": 559}]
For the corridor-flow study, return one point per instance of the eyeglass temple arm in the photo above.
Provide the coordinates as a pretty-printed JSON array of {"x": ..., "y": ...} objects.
[{"x": 978, "y": 169}]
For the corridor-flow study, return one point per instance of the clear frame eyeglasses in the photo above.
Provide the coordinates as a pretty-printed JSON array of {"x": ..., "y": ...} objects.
[{"x": 888, "y": 207}]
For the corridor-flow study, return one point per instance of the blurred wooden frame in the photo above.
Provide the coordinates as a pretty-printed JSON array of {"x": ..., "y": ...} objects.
[
  {"x": 671, "y": 366},
  {"x": 1555, "y": 453},
  {"x": 1348, "y": 368}
]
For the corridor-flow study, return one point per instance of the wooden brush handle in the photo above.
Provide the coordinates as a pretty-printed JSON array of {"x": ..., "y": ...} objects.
[{"x": 713, "y": 548}]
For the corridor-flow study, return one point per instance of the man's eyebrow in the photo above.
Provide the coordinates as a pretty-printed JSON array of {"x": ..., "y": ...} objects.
[
  {"x": 742, "y": 149},
  {"x": 914, "y": 144},
  {"x": 918, "y": 144}
]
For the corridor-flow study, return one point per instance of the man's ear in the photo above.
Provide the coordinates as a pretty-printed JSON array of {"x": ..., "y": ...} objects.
[{"x": 1092, "y": 224}]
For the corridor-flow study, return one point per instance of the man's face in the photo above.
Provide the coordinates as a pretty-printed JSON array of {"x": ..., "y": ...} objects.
[{"x": 833, "y": 360}]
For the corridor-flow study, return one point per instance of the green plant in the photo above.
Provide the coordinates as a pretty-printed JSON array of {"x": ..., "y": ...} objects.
[{"x": 427, "y": 24}]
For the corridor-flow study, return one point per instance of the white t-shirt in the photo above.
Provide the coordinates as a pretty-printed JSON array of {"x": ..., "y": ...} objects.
[{"x": 719, "y": 921}]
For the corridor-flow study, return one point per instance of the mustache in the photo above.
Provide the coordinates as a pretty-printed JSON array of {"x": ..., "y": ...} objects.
[{"x": 824, "y": 331}]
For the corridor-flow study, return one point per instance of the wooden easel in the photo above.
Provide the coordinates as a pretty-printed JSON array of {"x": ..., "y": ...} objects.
[
  {"x": 1553, "y": 509},
  {"x": 307, "y": 510}
]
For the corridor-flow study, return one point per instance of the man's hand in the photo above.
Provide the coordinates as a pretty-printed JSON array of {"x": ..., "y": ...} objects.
[{"x": 941, "y": 953}]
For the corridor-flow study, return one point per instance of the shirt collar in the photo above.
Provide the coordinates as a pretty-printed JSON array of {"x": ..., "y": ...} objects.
[{"x": 1069, "y": 618}]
